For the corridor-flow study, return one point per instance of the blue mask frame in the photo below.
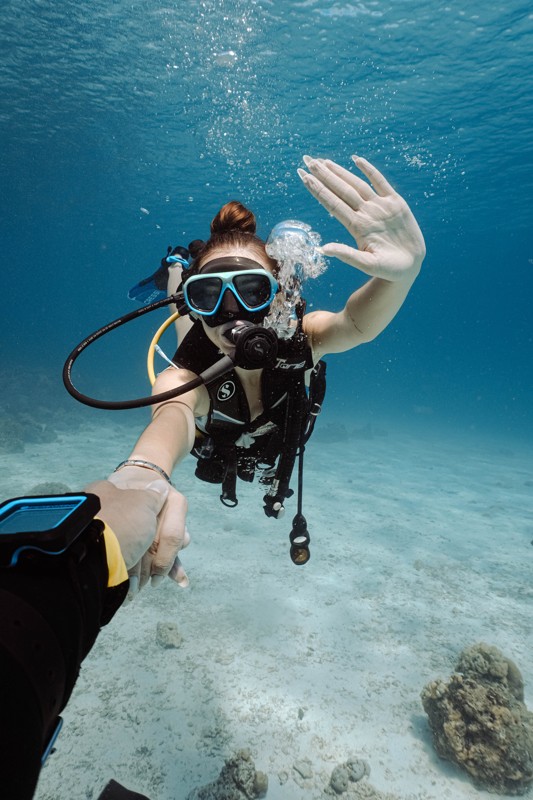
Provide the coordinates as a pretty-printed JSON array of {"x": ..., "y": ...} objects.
[{"x": 227, "y": 282}]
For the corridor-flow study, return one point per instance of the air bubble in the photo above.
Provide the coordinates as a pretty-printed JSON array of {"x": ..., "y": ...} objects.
[
  {"x": 294, "y": 245},
  {"x": 227, "y": 58}
]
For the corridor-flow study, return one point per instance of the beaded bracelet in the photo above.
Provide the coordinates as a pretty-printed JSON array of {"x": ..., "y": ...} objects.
[{"x": 137, "y": 462}]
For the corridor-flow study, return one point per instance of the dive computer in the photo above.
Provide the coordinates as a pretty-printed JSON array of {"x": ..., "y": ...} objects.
[{"x": 43, "y": 526}]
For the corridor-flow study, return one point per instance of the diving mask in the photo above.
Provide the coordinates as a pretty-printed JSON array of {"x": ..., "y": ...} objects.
[{"x": 252, "y": 286}]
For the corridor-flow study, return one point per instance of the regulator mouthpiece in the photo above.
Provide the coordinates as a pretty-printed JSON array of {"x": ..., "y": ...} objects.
[{"x": 255, "y": 346}]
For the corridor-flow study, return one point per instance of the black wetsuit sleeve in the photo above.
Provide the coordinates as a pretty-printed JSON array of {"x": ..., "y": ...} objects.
[{"x": 50, "y": 616}]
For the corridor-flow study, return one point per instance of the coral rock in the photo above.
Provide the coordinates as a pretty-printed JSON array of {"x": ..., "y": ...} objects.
[
  {"x": 345, "y": 775},
  {"x": 479, "y": 721},
  {"x": 238, "y": 780},
  {"x": 168, "y": 635}
]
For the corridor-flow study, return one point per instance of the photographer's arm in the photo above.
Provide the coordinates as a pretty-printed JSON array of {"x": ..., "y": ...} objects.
[
  {"x": 164, "y": 443},
  {"x": 51, "y": 614}
]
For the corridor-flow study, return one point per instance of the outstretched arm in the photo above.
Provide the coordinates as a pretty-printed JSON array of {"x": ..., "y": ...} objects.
[
  {"x": 165, "y": 442},
  {"x": 390, "y": 248}
]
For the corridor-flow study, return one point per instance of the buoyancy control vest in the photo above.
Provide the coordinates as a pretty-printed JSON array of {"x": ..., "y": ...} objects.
[{"x": 229, "y": 444}]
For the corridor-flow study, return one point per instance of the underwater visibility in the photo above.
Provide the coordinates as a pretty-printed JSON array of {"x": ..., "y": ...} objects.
[{"x": 267, "y": 404}]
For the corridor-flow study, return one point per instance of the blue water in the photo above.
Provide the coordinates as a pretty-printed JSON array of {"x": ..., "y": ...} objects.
[
  {"x": 124, "y": 126},
  {"x": 175, "y": 108}
]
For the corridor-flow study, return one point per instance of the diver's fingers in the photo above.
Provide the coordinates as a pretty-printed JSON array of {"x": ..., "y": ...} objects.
[
  {"x": 335, "y": 182},
  {"x": 331, "y": 202},
  {"x": 134, "y": 575},
  {"x": 146, "y": 566},
  {"x": 186, "y": 538},
  {"x": 361, "y": 186},
  {"x": 378, "y": 181},
  {"x": 178, "y": 574},
  {"x": 172, "y": 534},
  {"x": 362, "y": 259}
]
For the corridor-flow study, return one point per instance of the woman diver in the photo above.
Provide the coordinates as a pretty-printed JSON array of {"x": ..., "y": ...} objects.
[{"x": 245, "y": 415}]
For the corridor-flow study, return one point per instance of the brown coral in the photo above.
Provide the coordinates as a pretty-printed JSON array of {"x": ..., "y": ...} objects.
[
  {"x": 479, "y": 721},
  {"x": 238, "y": 780}
]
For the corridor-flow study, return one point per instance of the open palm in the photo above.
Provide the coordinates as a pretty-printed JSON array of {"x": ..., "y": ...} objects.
[{"x": 389, "y": 242}]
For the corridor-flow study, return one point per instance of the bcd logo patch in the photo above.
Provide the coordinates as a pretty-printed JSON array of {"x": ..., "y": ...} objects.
[{"x": 226, "y": 391}]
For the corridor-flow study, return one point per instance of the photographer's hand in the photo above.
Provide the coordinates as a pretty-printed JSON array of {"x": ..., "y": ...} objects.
[
  {"x": 132, "y": 514},
  {"x": 161, "y": 559},
  {"x": 156, "y": 554}
]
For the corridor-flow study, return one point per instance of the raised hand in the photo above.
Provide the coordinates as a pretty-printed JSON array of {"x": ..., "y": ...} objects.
[{"x": 389, "y": 242}]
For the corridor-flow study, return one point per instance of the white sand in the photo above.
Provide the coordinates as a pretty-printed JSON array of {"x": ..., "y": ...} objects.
[{"x": 419, "y": 548}]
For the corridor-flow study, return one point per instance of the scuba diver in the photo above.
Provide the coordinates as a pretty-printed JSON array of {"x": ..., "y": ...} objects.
[{"x": 254, "y": 418}]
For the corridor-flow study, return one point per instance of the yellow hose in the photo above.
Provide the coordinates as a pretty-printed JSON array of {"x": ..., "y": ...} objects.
[{"x": 151, "y": 350}]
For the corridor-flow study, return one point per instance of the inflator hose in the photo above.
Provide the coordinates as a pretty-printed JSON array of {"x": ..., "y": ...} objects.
[{"x": 222, "y": 366}]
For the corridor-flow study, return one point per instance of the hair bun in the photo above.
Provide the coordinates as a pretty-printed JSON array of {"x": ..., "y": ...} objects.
[{"x": 234, "y": 217}]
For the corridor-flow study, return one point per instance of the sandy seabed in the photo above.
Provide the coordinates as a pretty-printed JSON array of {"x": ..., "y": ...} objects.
[{"x": 421, "y": 546}]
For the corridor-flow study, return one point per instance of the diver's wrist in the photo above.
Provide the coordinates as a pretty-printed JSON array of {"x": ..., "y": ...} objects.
[
  {"x": 142, "y": 463},
  {"x": 133, "y": 477}
]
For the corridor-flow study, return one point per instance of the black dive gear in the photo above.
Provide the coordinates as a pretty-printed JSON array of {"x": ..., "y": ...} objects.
[
  {"x": 115, "y": 791},
  {"x": 34, "y": 533},
  {"x": 229, "y": 445},
  {"x": 54, "y": 602}
]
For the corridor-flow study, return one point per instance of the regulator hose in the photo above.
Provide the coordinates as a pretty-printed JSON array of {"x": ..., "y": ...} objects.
[{"x": 222, "y": 366}]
